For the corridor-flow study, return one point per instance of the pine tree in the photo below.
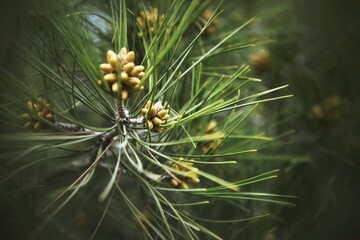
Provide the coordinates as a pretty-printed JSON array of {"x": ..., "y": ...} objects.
[{"x": 130, "y": 120}]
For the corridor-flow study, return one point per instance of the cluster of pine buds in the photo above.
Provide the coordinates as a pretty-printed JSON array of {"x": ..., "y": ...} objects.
[
  {"x": 120, "y": 72},
  {"x": 156, "y": 115},
  {"x": 39, "y": 108},
  {"x": 148, "y": 19},
  {"x": 189, "y": 174}
]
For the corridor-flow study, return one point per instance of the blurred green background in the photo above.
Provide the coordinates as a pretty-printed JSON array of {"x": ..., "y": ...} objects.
[{"x": 316, "y": 50}]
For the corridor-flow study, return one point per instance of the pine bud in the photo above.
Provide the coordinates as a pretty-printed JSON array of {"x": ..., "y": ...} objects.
[
  {"x": 162, "y": 113},
  {"x": 30, "y": 105},
  {"x": 26, "y": 116},
  {"x": 137, "y": 70},
  {"x": 153, "y": 111},
  {"x": 49, "y": 117},
  {"x": 110, "y": 56},
  {"x": 29, "y": 124},
  {"x": 113, "y": 60},
  {"x": 133, "y": 81},
  {"x": 184, "y": 185},
  {"x": 166, "y": 117},
  {"x": 107, "y": 68},
  {"x": 37, "y": 126},
  {"x": 157, "y": 121},
  {"x": 174, "y": 182},
  {"x": 149, "y": 124},
  {"x": 144, "y": 111},
  {"x": 115, "y": 87},
  {"x": 130, "y": 57},
  {"x": 41, "y": 114},
  {"x": 124, "y": 76},
  {"x": 124, "y": 94},
  {"x": 128, "y": 67},
  {"x": 141, "y": 75},
  {"x": 110, "y": 77}
]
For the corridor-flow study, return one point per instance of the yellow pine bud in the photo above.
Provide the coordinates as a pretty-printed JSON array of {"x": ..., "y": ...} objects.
[
  {"x": 153, "y": 111},
  {"x": 174, "y": 183},
  {"x": 26, "y": 116},
  {"x": 124, "y": 94},
  {"x": 157, "y": 121},
  {"x": 115, "y": 87},
  {"x": 144, "y": 111},
  {"x": 110, "y": 77},
  {"x": 130, "y": 57},
  {"x": 147, "y": 105},
  {"x": 166, "y": 117},
  {"x": 30, "y": 105},
  {"x": 132, "y": 81},
  {"x": 49, "y": 117},
  {"x": 29, "y": 124},
  {"x": 162, "y": 113},
  {"x": 193, "y": 176},
  {"x": 37, "y": 126},
  {"x": 107, "y": 68},
  {"x": 128, "y": 67},
  {"x": 124, "y": 76},
  {"x": 137, "y": 69},
  {"x": 193, "y": 180},
  {"x": 110, "y": 55},
  {"x": 149, "y": 124},
  {"x": 113, "y": 60},
  {"x": 141, "y": 75},
  {"x": 184, "y": 185}
]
